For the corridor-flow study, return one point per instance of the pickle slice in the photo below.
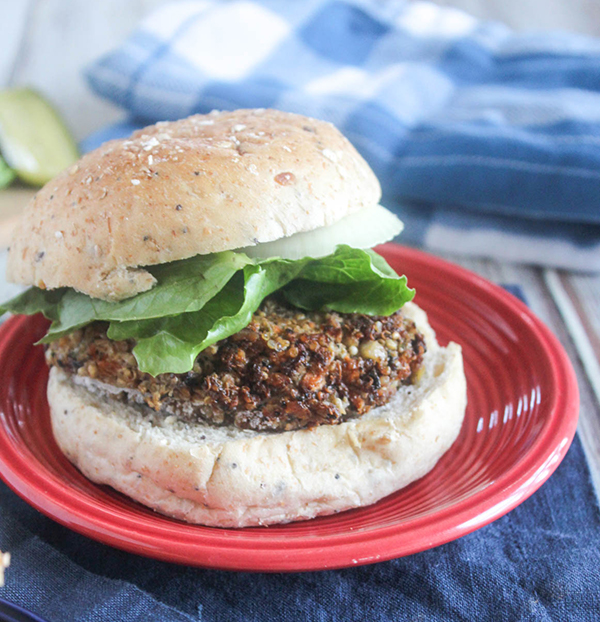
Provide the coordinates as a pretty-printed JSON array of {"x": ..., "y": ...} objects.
[
  {"x": 34, "y": 141},
  {"x": 6, "y": 174}
]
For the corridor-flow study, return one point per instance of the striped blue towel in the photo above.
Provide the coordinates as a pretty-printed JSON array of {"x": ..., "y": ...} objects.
[{"x": 486, "y": 141}]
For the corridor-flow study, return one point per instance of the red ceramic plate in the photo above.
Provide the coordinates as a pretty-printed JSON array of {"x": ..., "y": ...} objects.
[{"x": 521, "y": 418}]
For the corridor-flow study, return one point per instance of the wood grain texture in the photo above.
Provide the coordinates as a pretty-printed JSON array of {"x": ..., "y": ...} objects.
[{"x": 576, "y": 297}]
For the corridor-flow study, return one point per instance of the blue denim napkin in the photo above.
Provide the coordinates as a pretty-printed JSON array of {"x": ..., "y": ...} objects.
[
  {"x": 486, "y": 141},
  {"x": 540, "y": 563}
]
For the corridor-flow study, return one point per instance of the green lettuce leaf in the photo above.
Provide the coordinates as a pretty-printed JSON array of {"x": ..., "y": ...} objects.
[
  {"x": 172, "y": 344},
  {"x": 350, "y": 281},
  {"x": 199, "y": 301},
  {"x": 35, "y": 300},
  {"x": 355, "y": 281},
  {"x": 182, "y": 287}
]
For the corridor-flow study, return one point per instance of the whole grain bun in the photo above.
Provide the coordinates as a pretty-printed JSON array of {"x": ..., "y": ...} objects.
[
  {"x": 226, "y": 477},
  {"x": 174, "y": 190}
]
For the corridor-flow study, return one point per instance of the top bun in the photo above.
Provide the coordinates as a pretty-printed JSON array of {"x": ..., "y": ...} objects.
[{"x": 177, "y": 189}]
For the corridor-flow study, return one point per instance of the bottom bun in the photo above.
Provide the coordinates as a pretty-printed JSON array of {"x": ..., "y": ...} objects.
[{"x": 227, "y": 477}]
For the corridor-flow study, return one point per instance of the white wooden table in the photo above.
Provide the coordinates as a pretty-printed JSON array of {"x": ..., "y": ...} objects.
[{"x": 46, "y": 44}]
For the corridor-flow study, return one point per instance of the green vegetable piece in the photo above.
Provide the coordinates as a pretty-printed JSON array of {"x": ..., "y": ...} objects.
[
  {"x": 349, "y": 281},
  {"x": 170, "y": 345},
  {"x": 199, "y": 301},
  {"x": 352, "y": 281},
  {"x": 35, "y": 300},
  {"x": 182, "y": 287},
  {"x": 34, "y": 141},
  {"x": 7, "y": 175},
  {"x": 178, "y": 340}
]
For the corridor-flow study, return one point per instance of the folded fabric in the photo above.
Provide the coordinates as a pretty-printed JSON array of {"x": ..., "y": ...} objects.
[{"x": 486, "y": 141}]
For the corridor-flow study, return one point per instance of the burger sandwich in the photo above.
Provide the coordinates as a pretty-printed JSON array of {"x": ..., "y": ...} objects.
[{"x": 224, "y": 346}]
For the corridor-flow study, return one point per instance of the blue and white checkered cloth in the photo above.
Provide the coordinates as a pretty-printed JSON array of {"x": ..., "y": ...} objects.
[{"x": 486, "y": 141}]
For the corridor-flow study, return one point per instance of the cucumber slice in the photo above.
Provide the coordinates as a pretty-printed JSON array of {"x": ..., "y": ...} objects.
[
  {"x": 6, "y": 174},
  {"x": 34, "y": 141},
  {"x": 363, "y": 229}
]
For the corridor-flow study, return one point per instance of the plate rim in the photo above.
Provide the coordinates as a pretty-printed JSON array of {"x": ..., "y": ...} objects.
[{"x": 218, "y": 550}]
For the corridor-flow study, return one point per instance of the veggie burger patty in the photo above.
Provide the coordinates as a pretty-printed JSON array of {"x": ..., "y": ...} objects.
[{"x": 285, "y": 371}]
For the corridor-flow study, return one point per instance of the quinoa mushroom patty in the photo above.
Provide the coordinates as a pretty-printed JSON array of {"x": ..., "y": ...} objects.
[{"x": 285, "y": 371}]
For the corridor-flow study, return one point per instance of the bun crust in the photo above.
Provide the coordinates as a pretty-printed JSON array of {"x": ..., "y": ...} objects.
[
  {"x": 173, "y": 190},
  {"x": 232, "y": 478}
]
